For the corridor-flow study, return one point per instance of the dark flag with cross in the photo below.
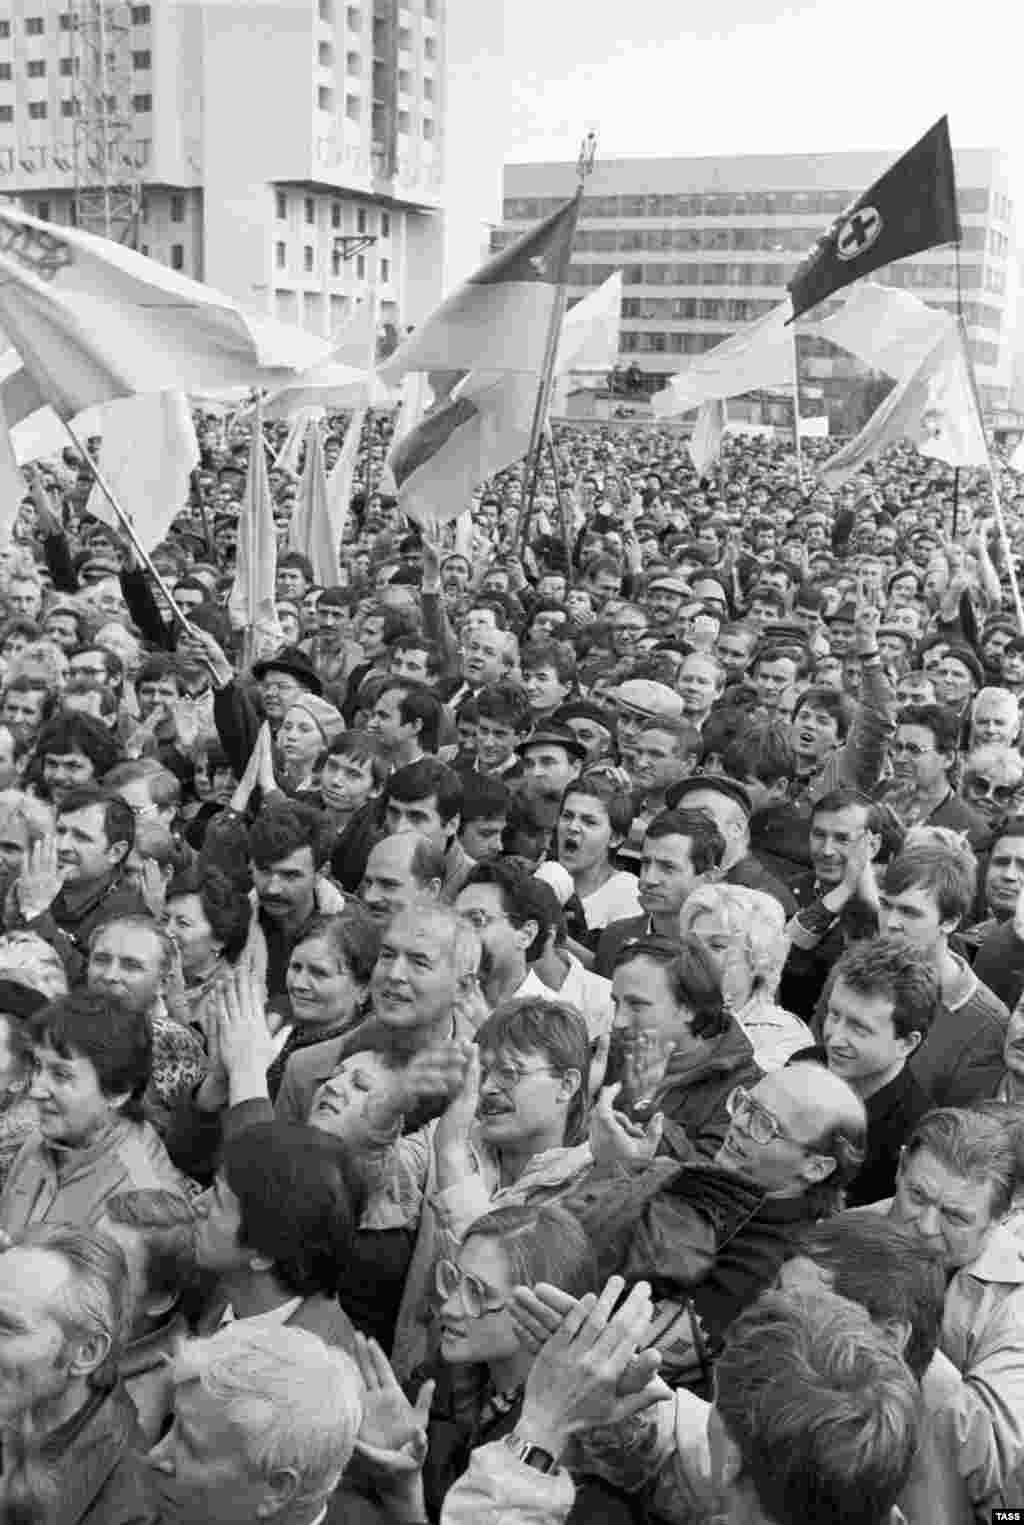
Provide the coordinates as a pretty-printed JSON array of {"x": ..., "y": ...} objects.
[{"x": 912, "y": 207}]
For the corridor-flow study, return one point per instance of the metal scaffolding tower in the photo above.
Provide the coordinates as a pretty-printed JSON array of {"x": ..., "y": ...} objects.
[{"x": 108, "y": 189}]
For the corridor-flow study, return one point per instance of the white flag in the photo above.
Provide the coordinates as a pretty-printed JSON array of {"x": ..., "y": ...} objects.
[
  {"x": 759, "y": 356},
  {"x": 252, "y": 603},
  {"x": 148, "y": 452},
  {"x": 339, "y": 483},
  {"x": 706, "y": 440},
  {"x": 935, "y": 408},
  {"x": 889, "y": 330},
  {"x": 311, "y": 530}
]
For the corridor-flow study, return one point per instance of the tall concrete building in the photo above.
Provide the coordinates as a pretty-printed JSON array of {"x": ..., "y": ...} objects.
[
  {"x": 294, "y": 153},
  {"x": 707, "y": 245}
]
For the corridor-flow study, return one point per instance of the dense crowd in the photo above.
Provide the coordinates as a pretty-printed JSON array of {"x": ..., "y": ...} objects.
[{"x": 544, "y": 1043}]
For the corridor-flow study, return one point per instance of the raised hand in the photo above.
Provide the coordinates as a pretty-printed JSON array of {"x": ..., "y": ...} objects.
[
  {"x": 393, "y": 1434},
  {"x": 430, "y": 540},
  {"x": 153, "y": 888},
  {"x": 866, "y": 621},
  {"x": 247, "y": 1048},
  {"x": 614, "y": 1140},
  {"x": 40, "y": 880},
  {"x": 200, "y": 646}
]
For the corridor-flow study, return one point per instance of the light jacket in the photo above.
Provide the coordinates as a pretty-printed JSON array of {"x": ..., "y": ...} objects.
[
  {"x": 498, "y": 1489},
  {"x": 50, "y": 1183}
]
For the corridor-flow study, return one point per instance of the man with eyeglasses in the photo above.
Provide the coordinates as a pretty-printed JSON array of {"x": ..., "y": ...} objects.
[{"x": 922, "y": 754}]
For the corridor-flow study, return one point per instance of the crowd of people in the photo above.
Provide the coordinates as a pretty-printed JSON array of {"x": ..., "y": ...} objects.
[{"x": 544, "y": 1042}]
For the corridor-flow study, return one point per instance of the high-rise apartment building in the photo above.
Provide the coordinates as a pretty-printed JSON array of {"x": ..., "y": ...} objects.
[
  {"x": 291, "y": 152},
  {"x": 707, "y": 245}
]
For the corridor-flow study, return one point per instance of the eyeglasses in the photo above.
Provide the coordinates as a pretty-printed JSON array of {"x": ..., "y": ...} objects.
[
  {"x": 477, "y": 1297},
  {"x": 761, "y": 1125},
  {"x": 480, "y": 920},
  {"x": 279, "y": 686},
  {"x": 508, "y": 1076},
  {"x": 985, "y": 789}
]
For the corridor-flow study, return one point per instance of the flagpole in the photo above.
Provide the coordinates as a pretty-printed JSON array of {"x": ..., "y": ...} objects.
[
  {"x": 563, "y": 508},
  {"x": 125, "y": 522},
  {"x": 584, "y": 167},
  {"x": 796, "y": 409}
]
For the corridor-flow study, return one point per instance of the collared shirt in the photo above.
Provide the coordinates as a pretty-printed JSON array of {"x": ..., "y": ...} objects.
[{"x": 269, "y": 1320}]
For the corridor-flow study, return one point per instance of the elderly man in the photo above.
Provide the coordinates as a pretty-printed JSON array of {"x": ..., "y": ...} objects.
[
  {"x": 401, "y": 871},
  {"x": 728, "y": 805},
  {"x": 995, "y": 718},
  {"x": 70, "y": 1437},
  {"x": 265, "y": 1422},
  {"x": 955, "y": 1183}
]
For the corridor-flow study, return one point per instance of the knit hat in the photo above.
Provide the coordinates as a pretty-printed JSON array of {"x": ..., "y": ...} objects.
[{"x": 322, "y": 714}]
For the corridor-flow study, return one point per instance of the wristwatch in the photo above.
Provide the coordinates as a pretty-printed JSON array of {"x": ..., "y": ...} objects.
[{"x": 533, "y": 1456}]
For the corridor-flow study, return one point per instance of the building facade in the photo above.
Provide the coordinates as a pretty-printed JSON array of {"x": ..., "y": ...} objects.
[
  {"x": 707, "y": 245},
  {"x": 292, "y": 153}
]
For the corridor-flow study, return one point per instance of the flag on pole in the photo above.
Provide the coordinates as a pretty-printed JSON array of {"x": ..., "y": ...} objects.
[
  {"x": 912, "y": 207},
  {"x": 92, "y": 320},
  {"x": 706, "y": 440},
  {"x": 290, "y": 453},
  {"x": 148, "y": 452},
  {"x": 591, "y": 330},
  {"x": 1016, "y": 461},
  {"x": 888, "y": 329},
  {"x": 936, "y": 408},
  {"x": 12, "y": 484},
  {"x": 499, "y": 319},
  {"x": 339, "y": 483},
  {"x": 759, "y": 356},
  {"x": 252, "y": 600},
  {"x": 481, "y": 429},
  {"x": 312, "y": 531}
]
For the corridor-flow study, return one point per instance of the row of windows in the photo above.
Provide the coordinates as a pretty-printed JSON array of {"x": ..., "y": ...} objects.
[
  {"x": 717, "y": 204},
  {"x": 35, "y": 68},
  {"x": 38, "y": 111},
  {"x": 677, "y": 309},
  {"x": 355, "y": 109},
  {"x": 354, "y": 66},
  {"x": 366, "y": 222},
  {"x": 177, "y": 260},
  {"x": 933, "y": 277},
  {"x": 337, "y": 262},
  {"x": 638, "y": 343},
  {"x": 35, "y": 26},
  {"x": 354, "y": 16},
  {"x": 722, "y": 240}
]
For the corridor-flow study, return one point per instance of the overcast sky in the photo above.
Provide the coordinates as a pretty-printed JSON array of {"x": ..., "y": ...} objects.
[{"x": 731, "y": 76}]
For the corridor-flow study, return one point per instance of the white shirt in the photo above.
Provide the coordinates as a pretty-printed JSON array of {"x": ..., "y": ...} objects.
[{"x": 589, "y": 993}]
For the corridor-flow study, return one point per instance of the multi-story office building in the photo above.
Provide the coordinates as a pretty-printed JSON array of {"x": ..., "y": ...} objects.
[
  {"x": 293, "y": 153},
  {"x": 707, "y": 245}
]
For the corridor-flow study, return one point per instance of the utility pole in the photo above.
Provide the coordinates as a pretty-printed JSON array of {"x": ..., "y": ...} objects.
[{"x": 108, "y": 189}]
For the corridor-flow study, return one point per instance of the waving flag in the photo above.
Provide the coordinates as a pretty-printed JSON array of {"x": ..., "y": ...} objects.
[
  {"x": 339, "y": 483},
  {"x": 312, "y": 531},
  {"x": 912, "y": 207},
  {"x": 759, "y": 356},
  {"x": 499, "y": 319},
  {"x": 706, "y": 440},
  {"x": 252, "y": 604},
  {"x": 148, "y": 452},
  {"x": 888, "y": 329},
  {"x": 936, "y": 408},
  {"x": 92, "y": 320}
]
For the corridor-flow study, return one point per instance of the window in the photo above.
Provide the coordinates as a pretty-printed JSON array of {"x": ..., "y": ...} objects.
[
  {"x": 326, "y": 10},
  {"x": 144, "y": 249},
  {"x": 6, "y": 113},
  {"x": 429, "y": 47},
  {"x": 142, "y": 58},
  {"x": 325, "y": 98},
  {"x": 142, "y": 102},
  {"x": 34, "y": 26},
  {"x": 67, "y": 67},
  {"x": 354, "y": 18},
  {"x": 361, "y": 267},
  {"x": 404, "y": 39},
  {"x": 140, "y": 15},
  {"x": 309, "y": 209},
  {"x": 335, "y": 261},
  {"x": 5, "y": 29},
  {"x": 428, "y": 128},
  {"x": 404, "y": 81},
  {"x": 280, "y": 255},
  {"x": 335, "y": 214},
  {"x": 37, "y": 110},
  {"x": 5, "y": 71},
  {"x": 428, "y": 88},
  {"x": 177, "y": 256},
  {"x": 430, "y": 8},
  {"x": 64, "y": 21},
  {"x": 36, "y": 68},
  {"x": 403, "y": 122},
  {"x": 325, "y": 55},
  {"x": 68, "y": 108},
  {"x": 352, "y": 105},
  {"x": 353, "y": 63},
  {"x": 282, "y": 206},
  {"x": 385, "y": 224},
  {"x": 385, "y": 269},
  {"x": 307, "y": 257},
  {"x": 43, "y": 211}
]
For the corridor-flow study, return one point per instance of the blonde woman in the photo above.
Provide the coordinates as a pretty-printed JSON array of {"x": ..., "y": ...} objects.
[{"x": 745, "y": 931}]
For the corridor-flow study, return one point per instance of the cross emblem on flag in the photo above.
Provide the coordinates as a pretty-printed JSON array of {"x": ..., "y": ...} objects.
[{"x": 858, "y": 232}]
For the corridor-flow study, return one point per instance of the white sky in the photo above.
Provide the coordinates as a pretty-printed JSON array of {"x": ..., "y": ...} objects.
[{"x": 682, "y": 77}]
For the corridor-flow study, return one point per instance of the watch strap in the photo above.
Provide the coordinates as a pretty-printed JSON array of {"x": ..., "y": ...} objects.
[{"x": 531, "y": 1455}]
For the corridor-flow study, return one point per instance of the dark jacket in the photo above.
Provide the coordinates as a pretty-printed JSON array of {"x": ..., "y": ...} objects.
[
  {"x": 999, "y": 963},
  {"x": 806, "y": 970},
  {"x": 98, "y": 1457},
  {"x": 73, "y": 917},
  {"x": 961, "y": 1059},
  {"x": 613, "y": 937},
  {"x": 752, "y": 875}
]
